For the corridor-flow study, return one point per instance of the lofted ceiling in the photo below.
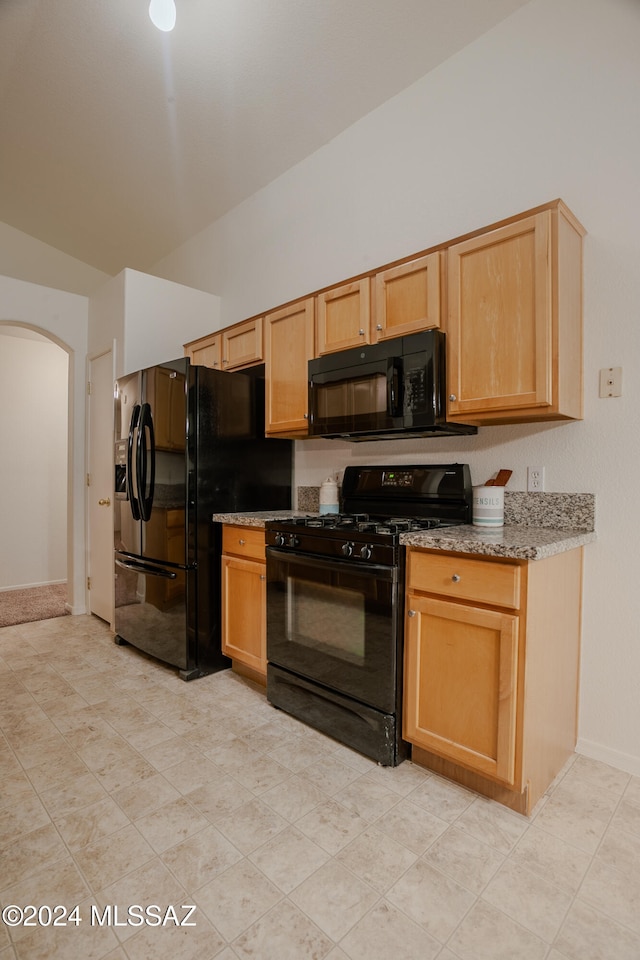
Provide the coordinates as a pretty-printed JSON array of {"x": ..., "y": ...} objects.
[{"x": 119, "y": 142}]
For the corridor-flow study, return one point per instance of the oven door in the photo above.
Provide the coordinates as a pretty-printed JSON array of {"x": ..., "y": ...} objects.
[{"x": 335, "y": 623}]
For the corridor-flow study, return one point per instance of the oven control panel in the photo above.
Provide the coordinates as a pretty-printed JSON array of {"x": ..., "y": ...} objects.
[{"x": 336, "y": 546}]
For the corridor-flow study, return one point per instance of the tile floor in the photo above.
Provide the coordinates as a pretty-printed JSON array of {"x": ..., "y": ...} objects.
[{"x": 121, "y": 785}]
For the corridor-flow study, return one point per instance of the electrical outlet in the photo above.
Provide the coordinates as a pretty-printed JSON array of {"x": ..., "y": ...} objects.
[{"x": 535, "y": 479}]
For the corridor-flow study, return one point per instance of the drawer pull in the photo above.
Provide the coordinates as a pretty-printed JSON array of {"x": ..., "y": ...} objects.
[
  {"x": 242, "y": 542},
  {"x": 263, "y": 576},
  {"x": 411, "y": 613},
  {"x": 456, "y": 578}
]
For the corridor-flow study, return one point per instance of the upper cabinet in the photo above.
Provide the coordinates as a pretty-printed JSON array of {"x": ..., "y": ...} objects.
[
  {"x": 205, "y": 352},
  {"x": 289, "y": 344},
  {"x": 407, "y": 297},
  {"x": 229, "y": 349},
  {"x": 514, "y": 324},
  {"x": 242, "y": 345},
  {"x": 344, "y": 317}
]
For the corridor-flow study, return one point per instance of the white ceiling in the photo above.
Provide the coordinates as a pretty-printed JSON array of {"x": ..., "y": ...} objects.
[{"x": 119, "y": 142}]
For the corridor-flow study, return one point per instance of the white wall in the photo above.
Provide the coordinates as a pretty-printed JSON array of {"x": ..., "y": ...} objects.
[
  {"x": 33, "y": 471},
  {"x": 150, "y": 319},
  {"x": 64, "y": 317},
  {"x": 543, "y": 106}
]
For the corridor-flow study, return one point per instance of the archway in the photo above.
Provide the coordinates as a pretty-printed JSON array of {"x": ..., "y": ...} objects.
[{"x": 40, "y": 528}]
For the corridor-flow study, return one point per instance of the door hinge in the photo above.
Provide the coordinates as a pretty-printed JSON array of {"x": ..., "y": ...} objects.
[
  {"x": 88, "y": 479},
  {"x": 89, "y": 387},
  {"x": 88, "y": 583}
]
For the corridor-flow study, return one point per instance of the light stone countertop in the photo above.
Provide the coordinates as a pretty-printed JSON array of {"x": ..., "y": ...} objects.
[{"x": 512, "y": 542}]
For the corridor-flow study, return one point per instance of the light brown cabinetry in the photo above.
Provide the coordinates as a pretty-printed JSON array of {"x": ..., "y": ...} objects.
[
  {"x": 491, "y": 670},
  {"x": 206, "y": 351},
  {"x": 514, "y": 323},
  {"x": 289, "y": 345},
  {"x": 407, "y": 298},
  {"x": 242, "y": 344},
  {"x": 244, "y": 633},
  {"x": 343, "y": 317}
]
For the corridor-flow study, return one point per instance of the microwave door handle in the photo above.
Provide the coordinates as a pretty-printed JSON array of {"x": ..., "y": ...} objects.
[{"x": 394, "y": 380}]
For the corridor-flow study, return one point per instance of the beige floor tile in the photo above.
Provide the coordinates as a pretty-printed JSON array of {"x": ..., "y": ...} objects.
[
  {"x": 385, "y": 932},
  {"x": 334, "y": 898},
  {"x": 551, "y": 858},
  {"x": 289, "y": 858},
  {"x": 91, "y": 823},
  {"x": 588, "y": 934},
  {"x": 170, "y": 824},
  {"x": 488, "y": 934},
  {"x": 73, "y": 942},
  {"x": 331, "y": 826},
  {"x": 577, "y": 815},
  {"x": 201, "y": 857},
  {"x": 329, "y": 774},
  {"x": 18, "y": 819},
  {"x": 493, "y": 824},
  {"x": 168, "y": 942},
  {"x": 237, "y": 898},
  {"x": 170, "y": 753},
  {"x": 627, "y": 817},
  {"x": 284, "y": 933},
  {"x": 621, "y": 849},
  {"x": 377, "y": 859},
  {"x": 56, "y": 883},
  {"x": 465, "y": 859},
  {"x": 442, "y": 798},
  {"x": 152, "y": 884},
  {"x": 220, "y": 798},
  {"x": 106, "y": 860},
  {"x": 366, "y": 797},
  {"x": 191, "y": 773},
  {"x": 30, "y": 853},
  {"x": 139, "y": 799},
  {"x": 431, "y": 899},
  {"x": 293, "y": 798},
  {"x": 615, "y": 892},
  {"x": 536, "y": 904},
  {"x": 413, "y": 826},
  {"x": 251, "y": 825}
]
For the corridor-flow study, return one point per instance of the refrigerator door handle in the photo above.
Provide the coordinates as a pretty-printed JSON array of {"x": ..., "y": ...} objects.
[
  {"x": 131, "y": 492},
  {"x": 143, "y": 456},
  {"x": 148, "y": 568}
]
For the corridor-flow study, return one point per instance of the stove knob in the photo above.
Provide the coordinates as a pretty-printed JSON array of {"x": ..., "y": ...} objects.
[
  {"x": 347, "y": 548},
  {"x": 280, "y": 540},
  {"x": 366, "y": 551},
  {"x": 294, "y": 541}
]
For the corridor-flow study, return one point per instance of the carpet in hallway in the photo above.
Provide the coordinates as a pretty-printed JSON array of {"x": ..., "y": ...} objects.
[{"x": 32, "y": 603}]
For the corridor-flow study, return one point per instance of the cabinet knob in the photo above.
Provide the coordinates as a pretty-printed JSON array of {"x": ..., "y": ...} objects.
[
  {"x": 242, "y": 542},
  {"x": 263, "y": 576},
  {"x": 361, "y": 332},
  {"x": 378, "y": 326},
  {"x": 411, "y": 613},
  {"x": 452, "y": 397},
  {"x": 456, "y": 578},
  {"x": 306, "y": 416}
]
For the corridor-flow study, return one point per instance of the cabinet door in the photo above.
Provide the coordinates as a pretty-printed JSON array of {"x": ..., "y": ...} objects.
[
  {"x": 206, "y": 352},
  {"x": 407, "y": 298},
  {"x": 461, "y": 667},
  {"x": 244, "y": 598},
  {"x": 242, "y": 345},
  {"x": 344, "y": 317},
  {"x": 289, "y": 340},
  {"x": 499, "y": 325}
]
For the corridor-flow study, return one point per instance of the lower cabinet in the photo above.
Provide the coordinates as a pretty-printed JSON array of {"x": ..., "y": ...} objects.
[
  {"x": 244, "y": 594},
  {"x": 491, "y": 670}
]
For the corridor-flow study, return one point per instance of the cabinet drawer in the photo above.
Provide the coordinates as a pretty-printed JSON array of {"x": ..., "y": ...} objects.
[
  {"x": 243, "y": 541},
  {"x": 461, "y": 578}
]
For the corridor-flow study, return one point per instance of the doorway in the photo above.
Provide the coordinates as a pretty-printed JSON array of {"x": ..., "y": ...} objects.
[{"x": 34, "y": 427}]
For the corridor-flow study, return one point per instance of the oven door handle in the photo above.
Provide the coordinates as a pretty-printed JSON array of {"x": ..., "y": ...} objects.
[{"x": 379, "y": 571}]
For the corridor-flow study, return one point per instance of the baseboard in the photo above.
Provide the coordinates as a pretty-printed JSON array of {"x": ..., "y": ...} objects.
[
  {"x": 615, "y": 758},
  {"x": 29, "y": 586},
  {"x": 76, "y": 611}
]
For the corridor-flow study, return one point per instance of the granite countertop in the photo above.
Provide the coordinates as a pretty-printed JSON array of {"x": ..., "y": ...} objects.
[
  {"x": 513, "y": 541},
  {"x": 256, "y": 518}
]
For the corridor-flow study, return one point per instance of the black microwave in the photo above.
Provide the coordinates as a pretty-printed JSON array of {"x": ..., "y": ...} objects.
[{"x": 388, "y": 390}]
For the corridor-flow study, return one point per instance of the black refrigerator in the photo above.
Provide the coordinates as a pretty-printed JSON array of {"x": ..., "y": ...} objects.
[{"x": 189, "y": 442}]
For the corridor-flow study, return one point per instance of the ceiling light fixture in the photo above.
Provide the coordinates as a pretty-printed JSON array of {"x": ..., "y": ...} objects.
[{"x": 163, "y": 14}]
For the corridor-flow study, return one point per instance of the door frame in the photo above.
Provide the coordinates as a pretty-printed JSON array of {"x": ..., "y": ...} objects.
[{"x": 91, "y": 358}]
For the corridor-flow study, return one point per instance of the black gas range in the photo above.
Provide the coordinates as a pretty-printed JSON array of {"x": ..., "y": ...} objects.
[{"x": 335, "y": 601}]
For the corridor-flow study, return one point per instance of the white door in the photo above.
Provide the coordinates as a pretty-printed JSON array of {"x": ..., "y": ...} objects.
[{"x": 101, "y": 477}]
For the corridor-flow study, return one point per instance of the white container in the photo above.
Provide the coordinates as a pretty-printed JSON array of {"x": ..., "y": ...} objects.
[
  {"x": 488, "y": 507},
  {"x": 329, "y": 496}
]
